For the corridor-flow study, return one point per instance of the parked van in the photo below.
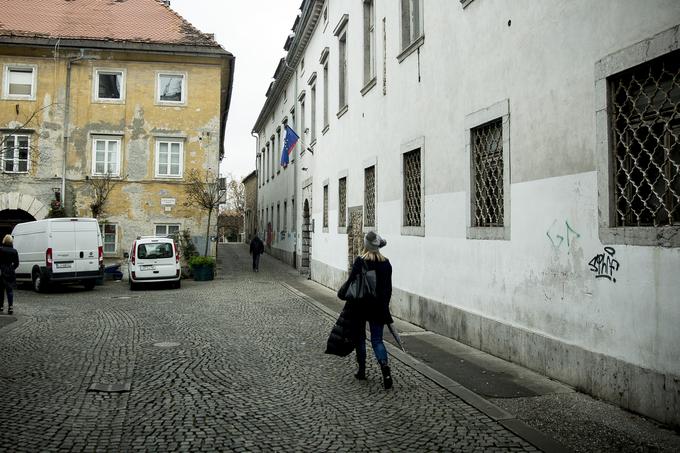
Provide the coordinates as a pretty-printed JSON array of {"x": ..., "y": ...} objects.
[
  {"x": 66, "y": 250},
  {"x": 154, "y": 259}
]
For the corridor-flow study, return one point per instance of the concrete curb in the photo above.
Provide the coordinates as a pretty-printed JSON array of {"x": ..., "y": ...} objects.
[{"x": 507, "y": 420}]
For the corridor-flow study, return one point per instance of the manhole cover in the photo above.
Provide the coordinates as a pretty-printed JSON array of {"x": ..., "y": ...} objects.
[
  {"x": 123, "y": 297},
  {"x": 110, "y": 388},
  {"x": 166, "y": 344}
]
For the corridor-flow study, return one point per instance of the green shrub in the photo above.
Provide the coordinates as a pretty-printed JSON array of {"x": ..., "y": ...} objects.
[{"x": 197, "y": 261}]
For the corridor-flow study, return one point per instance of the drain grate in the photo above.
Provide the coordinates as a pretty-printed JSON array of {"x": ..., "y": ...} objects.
[{"x": 110, "y": 388}]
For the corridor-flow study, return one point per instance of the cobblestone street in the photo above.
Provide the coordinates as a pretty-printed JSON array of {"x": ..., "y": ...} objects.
[{"x": 234, "y": 364}]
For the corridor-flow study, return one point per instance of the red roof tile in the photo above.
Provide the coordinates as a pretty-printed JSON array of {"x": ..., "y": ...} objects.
[{"x": 146, "y": 21}]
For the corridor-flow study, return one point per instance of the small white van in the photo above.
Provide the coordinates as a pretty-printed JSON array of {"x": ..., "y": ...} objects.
[
  {"x": 65, "y": 250},
  {"x": 154, "y": 259}
]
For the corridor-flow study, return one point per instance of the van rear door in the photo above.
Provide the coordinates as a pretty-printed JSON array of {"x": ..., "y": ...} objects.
[
  {"x": 156, "y": 259},
  {"x": 63, "y": 244},
  {"x": 87, "y": 246}
]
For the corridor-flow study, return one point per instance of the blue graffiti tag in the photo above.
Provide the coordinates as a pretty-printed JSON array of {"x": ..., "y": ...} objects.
[{"x": 569, "y": 235}]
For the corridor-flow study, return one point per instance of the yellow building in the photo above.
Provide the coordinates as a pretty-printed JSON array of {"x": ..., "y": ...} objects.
[{"x": 132, "y": 106}]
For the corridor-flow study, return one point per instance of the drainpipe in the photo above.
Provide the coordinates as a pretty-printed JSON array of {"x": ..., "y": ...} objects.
[{"x": 257, "y": 172}]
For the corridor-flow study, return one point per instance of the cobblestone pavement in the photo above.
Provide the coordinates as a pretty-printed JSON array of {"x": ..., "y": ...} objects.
[{"x": 236, "y": 364}]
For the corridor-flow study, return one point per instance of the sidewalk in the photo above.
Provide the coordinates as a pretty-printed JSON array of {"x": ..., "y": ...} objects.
[{"x": 550, "y": 415}]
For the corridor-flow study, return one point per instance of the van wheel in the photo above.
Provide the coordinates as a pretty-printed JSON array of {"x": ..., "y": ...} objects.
[
  {"x": 89, "y": 284},
  {"x": 38, "y": 283},
  {"x": 177, "y": 284},
  {"x": 133, "y": 285}
]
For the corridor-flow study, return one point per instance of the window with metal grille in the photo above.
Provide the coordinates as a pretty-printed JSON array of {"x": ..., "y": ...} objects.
[
  {"x": 325, "y": 206},
  {"x": 645, "y": 129},
  {"x": 369, "y": 196},
  {"x": 109, "y": 233},
  {"x": 412, "y": 188},
  {"x": 342, "y": 202},
  {"x": 487, "y": 161},
  {"x": 15, "y": 154}
]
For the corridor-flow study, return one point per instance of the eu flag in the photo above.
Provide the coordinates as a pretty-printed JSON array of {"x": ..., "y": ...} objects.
[{"x": 289, "y": 143}]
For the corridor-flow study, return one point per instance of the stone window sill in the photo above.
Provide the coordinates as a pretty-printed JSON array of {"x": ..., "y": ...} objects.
[
  {"x": 371, "y": 83},
  {"x": 415, "y": 45},
  {"x": 342, "y": 111}
]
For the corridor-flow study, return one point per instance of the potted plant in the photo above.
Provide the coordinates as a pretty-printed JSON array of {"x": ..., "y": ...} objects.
[{"x": 203, "y": 267}]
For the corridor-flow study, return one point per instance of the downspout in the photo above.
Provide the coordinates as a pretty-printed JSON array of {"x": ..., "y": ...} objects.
[{"x": 67, "y": 111}]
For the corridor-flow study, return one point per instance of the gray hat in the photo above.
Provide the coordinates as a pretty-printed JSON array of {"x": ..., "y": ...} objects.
[{"x": 372, "y": 242}]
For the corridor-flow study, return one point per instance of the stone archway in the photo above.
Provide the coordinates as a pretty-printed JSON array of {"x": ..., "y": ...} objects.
[
  {"x": 305, "y": 264},
  {"x": 17, "y": 208}
]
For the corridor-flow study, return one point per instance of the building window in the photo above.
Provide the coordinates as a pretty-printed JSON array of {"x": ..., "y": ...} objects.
[
  {"x": 169, "y": 159},
  {"x": 313, "y": 112},
  {"x": 325, "y": 206},
  {"x": 278, "y": 217},
  {"x": 342, "y": 71},
  {"x": 285, "y": 215},
  {"x": 302, "y": 64},
  {"x": 171, "y": 88},
  {"x": 279, "y": 149},
  {"x": 325, "y": 96},
  {"x": 109, "y": 85},
  {"x": 169, "y": 229},
  {"x": 273, "y": 160},
  {"x": 109, "y": 233},
  {"x": 487, "y": 174},
  {"x": 645, "y": 132},
  {"x": 369, "y": 196},
  {"x": 266, "y": 162},
  {"x": 411, "y": 22},
  {"x": 20, "y": 81},
  {"x": 106, "y": 156},
  {"x": 412, "y": 208},
  {"x": 15, "y": 153},
  {"x": 369, "y": 41},
  {"x": 342, "y": 202},
  {"x": 293, "y": 217}
]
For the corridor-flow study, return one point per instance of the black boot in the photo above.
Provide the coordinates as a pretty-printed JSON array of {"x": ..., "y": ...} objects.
[
  {"x": 387, "y": 375},
  {"x": 361, "y": 372}
]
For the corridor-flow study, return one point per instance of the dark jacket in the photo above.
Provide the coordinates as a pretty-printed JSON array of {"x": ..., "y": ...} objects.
[
  {"x": 9, "y": 260},
  {"x": 256, "y": 246},
  {"x": 345, "y": 333},
  {"x": 376, "y": 309}
]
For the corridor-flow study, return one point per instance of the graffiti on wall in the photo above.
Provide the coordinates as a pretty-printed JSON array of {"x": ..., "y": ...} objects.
[
  {"x": 559, "y": 234},
  {"x": 604, "y": 265}
]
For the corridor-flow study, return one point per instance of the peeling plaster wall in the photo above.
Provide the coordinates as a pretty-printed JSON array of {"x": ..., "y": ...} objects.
[{"x": 139, "y": 121}]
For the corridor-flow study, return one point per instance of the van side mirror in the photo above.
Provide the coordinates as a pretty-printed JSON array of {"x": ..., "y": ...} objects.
[{"x": 126, "y": 255}]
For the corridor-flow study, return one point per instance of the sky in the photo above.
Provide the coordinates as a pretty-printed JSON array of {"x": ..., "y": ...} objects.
[{"x": 254, "y": 31}]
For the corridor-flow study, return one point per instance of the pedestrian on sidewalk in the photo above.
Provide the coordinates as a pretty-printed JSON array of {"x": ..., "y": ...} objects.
[
  {"x": 9, "y": 261},
  {"x": 256, "y": 249},
  {"x": 374, "y": 310}
]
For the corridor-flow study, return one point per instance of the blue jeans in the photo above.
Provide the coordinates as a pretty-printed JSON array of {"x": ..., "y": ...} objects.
[
  {"x": 376, "y": 341},
  {"x": 10, "y": 295}
]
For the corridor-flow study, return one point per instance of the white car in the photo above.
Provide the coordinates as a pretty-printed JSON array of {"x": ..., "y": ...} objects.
[{"x": 154, "y": 260}]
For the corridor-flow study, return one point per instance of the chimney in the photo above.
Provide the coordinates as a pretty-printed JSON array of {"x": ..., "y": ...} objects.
[{"x": 166, "y": 2}]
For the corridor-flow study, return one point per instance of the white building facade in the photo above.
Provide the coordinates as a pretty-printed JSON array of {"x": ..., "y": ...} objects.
[{"x": 522, "y": 159}]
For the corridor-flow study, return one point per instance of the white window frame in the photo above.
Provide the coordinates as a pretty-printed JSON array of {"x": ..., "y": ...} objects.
[
  {"x": 15, "y": 158},
  {"x": 410, "y": 230},
  {"x": 481, "y": 117},
  {"x": 95, "y": 85},
  {"x": 615, "y": 63},
  {"x": 325, "y": 206},
  {"x": 5, "y": 84},
  {"x": 169, "y": 142},
  {"x": 407, "y": 27},
  {"x": 371, "y": 162},
  {"x": 166, "y": 226},
  {"x": 185, "y": 93},
  {"x": 369, "y": 46},
  {"x": 102, "y": 227},
  {"x": 107, "y": 139},
  {"x": 344, "y": 174},
  {"x": 343, "y": 85}
]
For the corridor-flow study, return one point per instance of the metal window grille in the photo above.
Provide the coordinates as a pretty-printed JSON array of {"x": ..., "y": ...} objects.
[
  {"x": 325, "y": 206},
  {"x": 487, "y": 152},
  {"x": 369, "y": 196},
  {"x": 412, "y": 192},
  {"x": 645, "y": 131},
  {"x": 342, "y": 202}
]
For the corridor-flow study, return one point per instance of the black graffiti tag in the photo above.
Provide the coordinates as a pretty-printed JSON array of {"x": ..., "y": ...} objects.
[{"x": 604, "y": 264}]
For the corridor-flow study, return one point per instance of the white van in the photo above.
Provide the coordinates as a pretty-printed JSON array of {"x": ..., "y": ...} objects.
[
  {"x": 154, "y": 259},
  {"x": 66, "y": 250}
]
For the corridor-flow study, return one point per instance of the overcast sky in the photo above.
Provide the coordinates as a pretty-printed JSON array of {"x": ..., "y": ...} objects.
[{"x": 254, "y": 31}]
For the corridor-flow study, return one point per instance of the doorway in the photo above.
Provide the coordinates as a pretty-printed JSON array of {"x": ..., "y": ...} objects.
[
  {"x": 355, "y": 234},
  {"x": 9, "y": 218},
  {"x": 305, "y": 267}
]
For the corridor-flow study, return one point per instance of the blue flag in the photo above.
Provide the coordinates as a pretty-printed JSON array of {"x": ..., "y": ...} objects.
[{"x": 289, "y": 143}]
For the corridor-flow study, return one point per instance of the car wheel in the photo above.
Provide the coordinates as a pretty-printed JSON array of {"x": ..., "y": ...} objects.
[
  {"x": 89, "y": 284},
  {"x": 133, "y": 285},
  {"x": 178, "y": 284},
  {"x": 38, "y": 283}
]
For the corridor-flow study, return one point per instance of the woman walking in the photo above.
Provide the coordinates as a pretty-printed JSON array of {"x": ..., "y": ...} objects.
[
  {"x": 374, "y": 310},
  {"x": 9, "y": 261}
]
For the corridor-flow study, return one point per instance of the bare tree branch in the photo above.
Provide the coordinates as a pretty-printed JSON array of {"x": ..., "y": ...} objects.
[{"x": 205, "y": 192}]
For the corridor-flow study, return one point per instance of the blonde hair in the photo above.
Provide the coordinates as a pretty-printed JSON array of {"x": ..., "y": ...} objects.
[
  {"x": 8, "y": 240},
  {"x": 371, "y": 255}
]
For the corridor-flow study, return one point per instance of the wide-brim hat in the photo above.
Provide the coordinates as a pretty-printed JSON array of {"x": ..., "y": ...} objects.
[{"x": 373, "y": 242}]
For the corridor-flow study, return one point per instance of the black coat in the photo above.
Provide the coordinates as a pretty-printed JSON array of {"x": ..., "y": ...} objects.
[
  {"x": 9, "y": 260},
  {"x": 256, "y": 246},
  {"x": 376, "y": 309},
  {"x": 345, "y": 333}
]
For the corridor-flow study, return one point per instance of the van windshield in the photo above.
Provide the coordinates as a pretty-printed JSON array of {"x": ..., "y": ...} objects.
[{"x": 154, "y": 251}]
